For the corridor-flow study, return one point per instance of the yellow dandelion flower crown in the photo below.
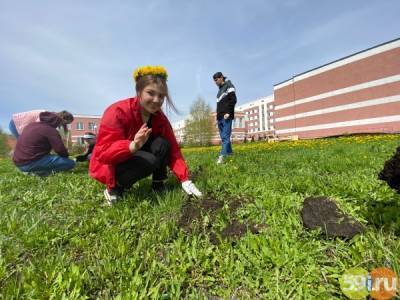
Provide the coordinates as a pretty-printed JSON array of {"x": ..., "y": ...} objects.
[{"x": 150, "y": 70}]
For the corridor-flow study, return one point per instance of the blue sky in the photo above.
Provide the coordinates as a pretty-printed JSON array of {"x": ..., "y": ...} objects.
[{"x": 79, "y": 55}]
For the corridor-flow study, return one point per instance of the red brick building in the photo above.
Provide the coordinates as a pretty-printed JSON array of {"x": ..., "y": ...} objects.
[
  {"x": 82, "y": 124},
  {"x": 356, "y": 94}
]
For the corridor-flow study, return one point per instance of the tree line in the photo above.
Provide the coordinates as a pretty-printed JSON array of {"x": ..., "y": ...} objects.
[{"x": 4, "y": 148}]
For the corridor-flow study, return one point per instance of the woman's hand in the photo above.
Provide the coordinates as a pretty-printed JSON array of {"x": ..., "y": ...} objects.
[{"x": 140, "y": 138}]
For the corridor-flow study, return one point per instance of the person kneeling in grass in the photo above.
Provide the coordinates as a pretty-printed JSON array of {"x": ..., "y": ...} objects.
[
  {"x": 32, "y": 152},
  {"x": 90, "y": 140},
  {"x": 136, "y": 140}
]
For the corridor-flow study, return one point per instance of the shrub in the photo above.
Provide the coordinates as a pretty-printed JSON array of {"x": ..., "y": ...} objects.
[
  {"x": 4, "y": 147},
  {"x": 76, "y": 149}
]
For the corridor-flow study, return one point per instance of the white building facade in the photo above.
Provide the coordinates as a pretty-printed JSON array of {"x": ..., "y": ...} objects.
[
  {"x": 179, "y": 130},
  {"x": 258, "y": 116},
  {"x": 253, "y": 120}
]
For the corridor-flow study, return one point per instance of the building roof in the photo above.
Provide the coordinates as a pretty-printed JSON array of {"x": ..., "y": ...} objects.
[
  {"x": 395, "y": 42},
  {"x": 87, "y": 116},
  {"x": 266, "y": 99}
]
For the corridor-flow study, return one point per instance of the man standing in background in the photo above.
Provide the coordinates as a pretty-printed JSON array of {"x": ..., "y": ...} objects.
[{"x": 226, "y": 100}]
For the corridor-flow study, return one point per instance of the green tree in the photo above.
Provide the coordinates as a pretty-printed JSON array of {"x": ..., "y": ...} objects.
[
  {"x": 4, "y": 148},
  {"x": 199, "y": 128}
]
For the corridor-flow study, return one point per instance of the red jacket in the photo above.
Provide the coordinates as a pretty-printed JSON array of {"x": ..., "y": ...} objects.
[{"x": 119, "y": 124}]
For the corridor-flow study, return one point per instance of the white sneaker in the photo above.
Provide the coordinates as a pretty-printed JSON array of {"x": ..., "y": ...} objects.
[
  {"x": 220, "y": 159},
  {"x": 111, "y": 197}
]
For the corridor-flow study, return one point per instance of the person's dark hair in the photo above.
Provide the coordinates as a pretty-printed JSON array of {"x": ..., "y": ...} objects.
[
  {"x": 66, "y": 116},
  {"x": 89, "y": 135},
  {"x": 144, "y": 81},
  {"x": 218, "y": 75}
]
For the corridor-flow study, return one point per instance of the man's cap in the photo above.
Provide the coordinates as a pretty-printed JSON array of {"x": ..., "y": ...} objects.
[
  {"x": 89, "y": 135},
  {"x": 218, "y": 75}
]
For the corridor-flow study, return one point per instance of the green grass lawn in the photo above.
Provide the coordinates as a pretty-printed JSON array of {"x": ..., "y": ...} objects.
[{"x": 59, "y": 240}]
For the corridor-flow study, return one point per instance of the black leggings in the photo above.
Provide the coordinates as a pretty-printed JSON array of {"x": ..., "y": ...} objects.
[{"x": 152, "y": 158}]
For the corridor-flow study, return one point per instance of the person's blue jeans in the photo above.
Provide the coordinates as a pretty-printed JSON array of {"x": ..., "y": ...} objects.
[
  {"x": 225, "y": 131},
  {"x": 48, "y": 164},
  {"x": 13, "y": 129}
]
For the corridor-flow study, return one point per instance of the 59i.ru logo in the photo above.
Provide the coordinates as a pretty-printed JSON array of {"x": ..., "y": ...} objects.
[{"x": 380, "y": 283}]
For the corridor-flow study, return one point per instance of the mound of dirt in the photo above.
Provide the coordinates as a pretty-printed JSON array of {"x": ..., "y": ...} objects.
[
  {"x": 236, "y": 229},
  {"x": 322, "y": 212},
  {"x": 194, "y": 211},
  {"x": 391, "y": 171},
  {"x": 190, "y": 216}
]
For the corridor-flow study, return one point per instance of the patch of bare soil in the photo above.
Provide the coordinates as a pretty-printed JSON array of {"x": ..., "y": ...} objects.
[
  {"x": 195, "y": 210},
  {"x": 190, "y": 216},
  {"x": 236, "y": 229},
  {"x": 322, "y": 212}
]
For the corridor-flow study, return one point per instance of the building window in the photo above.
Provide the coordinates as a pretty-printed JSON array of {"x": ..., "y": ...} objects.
[
  {"x": 79, "y": 126},
  {"x": 92, "y": 126},
  {"x": 80, "y": 141}
]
